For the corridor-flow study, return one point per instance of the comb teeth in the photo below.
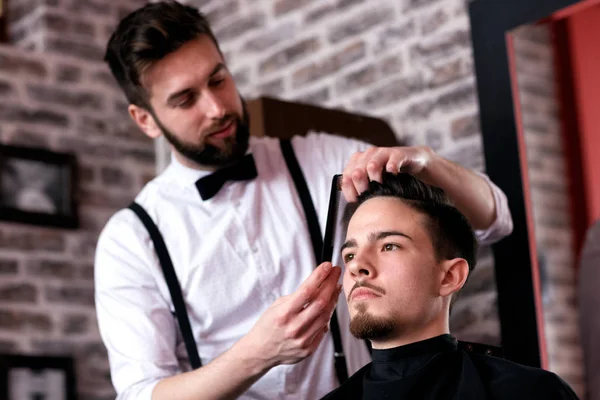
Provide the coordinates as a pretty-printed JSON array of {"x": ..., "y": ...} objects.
[
  {"x": 332, "y": 217},
  {"x": 338, "y": 182}
]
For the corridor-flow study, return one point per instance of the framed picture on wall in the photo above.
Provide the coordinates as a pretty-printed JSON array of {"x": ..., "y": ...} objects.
[
  {"x": 3, "y": 21},
  {"x": 37, "y": 378},
  {"x": 37, "y": 186}
]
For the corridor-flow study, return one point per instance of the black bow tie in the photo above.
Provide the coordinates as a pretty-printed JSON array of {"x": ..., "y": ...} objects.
[{"x": 243, "y": 170}]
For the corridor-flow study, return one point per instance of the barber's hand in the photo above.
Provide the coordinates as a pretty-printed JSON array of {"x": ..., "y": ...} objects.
[
  {"x": 292, "y": 328},
  {"x": 369, "y": 166}
]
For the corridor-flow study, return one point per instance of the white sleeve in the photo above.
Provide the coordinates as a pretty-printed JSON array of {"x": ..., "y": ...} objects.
[
  {"x": 135, "y": 321},
  {"x": 326, "y": 151},
  {"x": 503, "y": 225}
]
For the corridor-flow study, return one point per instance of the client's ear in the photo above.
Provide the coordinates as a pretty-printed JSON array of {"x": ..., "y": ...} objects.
[{"x": 455, "y": 273}]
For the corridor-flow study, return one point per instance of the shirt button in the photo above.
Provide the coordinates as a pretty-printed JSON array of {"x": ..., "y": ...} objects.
[{"x": 254, "y": 249}]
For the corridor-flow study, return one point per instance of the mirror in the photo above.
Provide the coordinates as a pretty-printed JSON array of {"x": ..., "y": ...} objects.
[
  {"x": 537, "y": 80},
  {"x": 538, "y": 114}
]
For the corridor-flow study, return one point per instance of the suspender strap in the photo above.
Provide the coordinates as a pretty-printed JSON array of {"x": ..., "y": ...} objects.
[
  {"x": 172, "y": 282},
  {"x": 317, "y": 242},
  {"x": 307, "y": 204}
]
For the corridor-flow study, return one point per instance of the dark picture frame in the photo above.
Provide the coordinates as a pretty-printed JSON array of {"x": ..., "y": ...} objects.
[
  {"x": 516, "y": 273},
  {"x": 4, "y": 21},
  {"x": 37, "y": 186},
  {"x": 36, "y": 373}
]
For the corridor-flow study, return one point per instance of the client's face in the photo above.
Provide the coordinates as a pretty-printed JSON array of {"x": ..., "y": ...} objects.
[{"x": 391, "y": 271}]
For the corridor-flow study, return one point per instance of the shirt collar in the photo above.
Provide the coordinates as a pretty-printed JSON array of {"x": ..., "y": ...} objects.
[{"x": 186, "y": 176}]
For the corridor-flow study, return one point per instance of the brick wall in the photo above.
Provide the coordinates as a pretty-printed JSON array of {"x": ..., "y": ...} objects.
[
  {"x": 406, "y": 61},
  {"x": 57, "y": 93},
  {"x": 550, "y": 199}
]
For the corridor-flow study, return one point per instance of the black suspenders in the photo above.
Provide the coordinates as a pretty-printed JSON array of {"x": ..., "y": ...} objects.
[
  {"x": 317, "y": 241},
  {"x": 172, "y": 282},
  {"x": 175, "y": 289}
]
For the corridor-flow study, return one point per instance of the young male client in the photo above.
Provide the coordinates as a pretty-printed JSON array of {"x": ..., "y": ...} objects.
[{"x": 408, "y": 252}]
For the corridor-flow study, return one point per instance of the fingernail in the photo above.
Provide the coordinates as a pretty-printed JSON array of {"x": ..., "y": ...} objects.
[{"x": 327, "y": 266}]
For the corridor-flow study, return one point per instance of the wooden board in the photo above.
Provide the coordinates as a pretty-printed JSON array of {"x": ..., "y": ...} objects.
[{"x": 282, "y": 119}]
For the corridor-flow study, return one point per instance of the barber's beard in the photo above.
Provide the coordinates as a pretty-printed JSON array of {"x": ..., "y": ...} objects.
[
  {"x": 207, "y": 155},
  {"x": 367, "y": 326}
]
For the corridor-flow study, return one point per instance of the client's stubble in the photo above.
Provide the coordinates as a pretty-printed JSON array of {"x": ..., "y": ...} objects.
[{"x": 364, "y": 325}]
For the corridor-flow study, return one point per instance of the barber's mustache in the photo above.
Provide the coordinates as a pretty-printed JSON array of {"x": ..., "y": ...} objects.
[
  {"x": 222, "y": 123},
  {"x": 360, "y": 284}
]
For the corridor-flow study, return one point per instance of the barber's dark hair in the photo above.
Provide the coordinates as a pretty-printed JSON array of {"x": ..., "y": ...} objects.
[
  {"x": 452, "y": 235},
  {"x": 147, "y": 35}
]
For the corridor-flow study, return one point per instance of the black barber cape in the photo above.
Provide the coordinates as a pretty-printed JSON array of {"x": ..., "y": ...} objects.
[{"x": 438, "y": 369}]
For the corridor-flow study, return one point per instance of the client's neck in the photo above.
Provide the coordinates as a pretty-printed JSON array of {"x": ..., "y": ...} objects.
[{"x": 434, "y": 328}]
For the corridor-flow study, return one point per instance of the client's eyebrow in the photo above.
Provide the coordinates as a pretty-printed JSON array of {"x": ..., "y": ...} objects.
[
  {"x": 348, "y": 244},
  {"x": 373, "y": 237}
]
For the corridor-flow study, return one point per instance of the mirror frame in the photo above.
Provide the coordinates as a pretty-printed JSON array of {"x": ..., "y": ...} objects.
[{"x": 517, "y": 275}]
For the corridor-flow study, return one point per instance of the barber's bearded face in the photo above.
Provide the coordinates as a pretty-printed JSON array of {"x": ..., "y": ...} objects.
[
  {"x": 195, "y": 105},
  {"x": 203, "y": 153}
]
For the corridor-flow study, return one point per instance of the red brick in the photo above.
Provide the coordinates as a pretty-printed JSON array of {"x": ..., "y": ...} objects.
[
  {"x": 18, "y": 293},
  {"x": 9, "y": 266},
  {"x": 465, "y": 126},
  {"x": 70, "y": 295},
  {"x": 270, "y": 37},
  {"x": 240, "y": 27},
  {"x": 25, "y": 321},
  {"x": 315, "y": 71},
  {"x": 72, "y": 99},
  {"x": 51, "y": 240},
  {"x": 392, "y": 92},
  {"x": 360, "y": 24},
  {"x": 73, "y": 324},
  {"x": 224, "y": 9},
  {"x": 289, "y": 55},
  {"x": 449, "y": 73},
  {"x": 433, "y": 21},
  {"x": 394, "y": 35},
  {"x": 285, "y": 6},
  {"x": 51, "y": 268}
]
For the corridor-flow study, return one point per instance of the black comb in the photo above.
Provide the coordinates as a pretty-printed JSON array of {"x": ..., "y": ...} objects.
[
  {"x": 327, "y": 255},
  {"x": 332, "y": 218}
]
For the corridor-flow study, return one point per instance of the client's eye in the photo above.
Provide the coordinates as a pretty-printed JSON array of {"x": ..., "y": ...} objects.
[
  {"x": 348, "y": 257},
  {"x": 390, "y": 247}
]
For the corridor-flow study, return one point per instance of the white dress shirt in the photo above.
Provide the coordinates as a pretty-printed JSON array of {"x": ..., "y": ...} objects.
[{"x": 234, "y": 255}]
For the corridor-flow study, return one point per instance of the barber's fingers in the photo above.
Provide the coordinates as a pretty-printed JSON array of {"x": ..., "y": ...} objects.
[
  {"x": 364, "y": 167},
  {"x": 395, "y": 161},
  {"x": 359, "y": 167},
  {"x": 355, "y": 176},
  {"x": 375, "y": 163},
  {"x": 315, "y": 317},
  {"x": 360, "y": 180},
  {"x": 310, "y": 288},
  {"x": 348, "y": 189}
]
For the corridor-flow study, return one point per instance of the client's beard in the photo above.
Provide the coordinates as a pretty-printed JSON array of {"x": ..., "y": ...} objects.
[
  {"x": 207, "y": 155},
  {"x": 366, "y": 326}
]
